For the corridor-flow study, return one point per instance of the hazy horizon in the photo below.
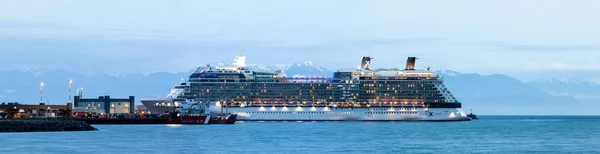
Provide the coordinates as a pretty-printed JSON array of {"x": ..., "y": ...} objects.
[
  {"x": 528, "y": 70},
  {"x": 527, "y": 41}
]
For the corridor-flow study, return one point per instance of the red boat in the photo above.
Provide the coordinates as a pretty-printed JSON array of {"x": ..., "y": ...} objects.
[{"x": 177, "y": 118}]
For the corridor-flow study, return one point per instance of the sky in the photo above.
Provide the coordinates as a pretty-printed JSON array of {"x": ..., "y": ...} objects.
[{"x": 528, "y": 40}]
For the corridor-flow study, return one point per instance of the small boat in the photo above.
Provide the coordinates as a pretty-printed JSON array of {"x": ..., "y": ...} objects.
[
  {"x": 472, "y": 116},
  {"x": 198, "y": 113}
]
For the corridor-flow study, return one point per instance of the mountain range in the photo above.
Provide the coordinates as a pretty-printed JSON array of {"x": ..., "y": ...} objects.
[
  {"x": 585, "y": 91},
  {"x": 495, "y": 94}
]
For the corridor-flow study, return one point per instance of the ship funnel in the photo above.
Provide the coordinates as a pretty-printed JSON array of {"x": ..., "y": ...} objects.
[
  {"x": 366, "y": 63},
  {"x": 410, "y": 63}
]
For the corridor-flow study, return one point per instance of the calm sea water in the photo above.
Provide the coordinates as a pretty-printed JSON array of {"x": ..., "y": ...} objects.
[{"x": 490, "y": 134}]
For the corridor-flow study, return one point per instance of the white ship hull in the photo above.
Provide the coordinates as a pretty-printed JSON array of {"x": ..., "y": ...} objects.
[{"x": 344, "y": 114}]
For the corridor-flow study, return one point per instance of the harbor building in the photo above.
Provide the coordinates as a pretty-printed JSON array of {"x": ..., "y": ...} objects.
[
  {"x": 104, "y": 104},
  {"x": 16, "y": 109}
]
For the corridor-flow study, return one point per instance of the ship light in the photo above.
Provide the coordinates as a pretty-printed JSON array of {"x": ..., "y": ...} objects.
[
  {"x": 174, "y": 125},
  {"x": 273, "y": 108},
  {"x": 298, "y": 108},
  {"x": 326, "y": 109},
  {"x": 285, "y": 108},
  {"x": 262, "y": 108},
  {"x": 313, "y": 109},
  {"x": 452, "y": 115}
]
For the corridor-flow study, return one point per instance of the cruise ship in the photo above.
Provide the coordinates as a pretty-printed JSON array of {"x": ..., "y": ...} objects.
[{"x": 363, "y": 94}]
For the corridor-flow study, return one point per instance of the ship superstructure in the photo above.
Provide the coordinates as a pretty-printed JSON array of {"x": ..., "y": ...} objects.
[
  {"x": 361, "y": 94},
  {"x": 170, "y": 102}
]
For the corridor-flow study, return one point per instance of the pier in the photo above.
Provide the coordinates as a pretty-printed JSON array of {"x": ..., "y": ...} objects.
[{"x": 126, "y": 121}]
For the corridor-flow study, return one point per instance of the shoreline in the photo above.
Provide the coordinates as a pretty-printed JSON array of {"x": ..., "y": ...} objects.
[{"x": 43, "y": 125}]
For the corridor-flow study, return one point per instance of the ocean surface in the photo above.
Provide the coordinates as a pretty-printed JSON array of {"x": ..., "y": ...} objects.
[{"x": 490, "y": 134}]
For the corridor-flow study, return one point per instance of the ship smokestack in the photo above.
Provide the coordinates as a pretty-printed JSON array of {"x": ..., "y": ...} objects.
[
  {"x": 410, "y": 63},
  {"x": 366, "y": 63}
]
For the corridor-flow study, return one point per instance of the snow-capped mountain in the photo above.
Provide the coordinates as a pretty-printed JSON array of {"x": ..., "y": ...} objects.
[
  {"x": 560, "y": 80},
  {"x": 308, "y": 68},
  {"x": 584, "y": 91},
  {"x": 486, "y": 94},
  {"x": 269, "y": 68},
  {"x": 500, "y": 94},
  {"x": 443, "y": 72}
]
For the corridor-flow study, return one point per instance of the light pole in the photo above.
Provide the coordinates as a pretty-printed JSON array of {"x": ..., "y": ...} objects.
[
  {"x": 41, "y": 93},
  {"x": 70, "y": 82},
  {"x": 80, "y": 92}
]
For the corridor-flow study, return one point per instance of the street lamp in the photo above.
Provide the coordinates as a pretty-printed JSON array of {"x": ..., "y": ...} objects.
[
  {"x": 70, "y": 82},
  {"x": 41, "y": 93}
]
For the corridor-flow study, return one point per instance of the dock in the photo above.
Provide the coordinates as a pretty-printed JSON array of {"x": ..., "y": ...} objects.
[{"x": 126, "y": 121}]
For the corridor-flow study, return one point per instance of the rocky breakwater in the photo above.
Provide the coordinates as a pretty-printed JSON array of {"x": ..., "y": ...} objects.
[{"x": 43, "y": 125}]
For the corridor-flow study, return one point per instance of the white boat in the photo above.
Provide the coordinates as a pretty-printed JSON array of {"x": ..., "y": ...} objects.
[{"x": 169, "y": 103}]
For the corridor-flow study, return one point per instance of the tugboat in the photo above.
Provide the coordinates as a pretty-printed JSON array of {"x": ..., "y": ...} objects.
[
  {"x": 472, "y": 116},
  {"x": 197, "y": 114}
]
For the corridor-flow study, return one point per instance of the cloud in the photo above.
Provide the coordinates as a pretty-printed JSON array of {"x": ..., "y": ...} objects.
[
  {"x": 522, "y": 47},
  {"x": 143, "y": 56},
  {"x": 107, "y": 37},
  {"x": 9, "y": 91}
]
